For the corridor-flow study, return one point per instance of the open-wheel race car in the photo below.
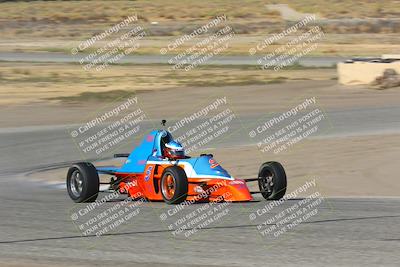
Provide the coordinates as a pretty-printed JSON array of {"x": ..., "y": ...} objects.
[{"x": 158, "y": 169}]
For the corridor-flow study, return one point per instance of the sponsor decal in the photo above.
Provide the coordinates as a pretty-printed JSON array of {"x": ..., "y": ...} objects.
[
  {"x": 149, "y": 138},
  {"x": 213, "y": 163},
  {"x": 148, "y": 173}
]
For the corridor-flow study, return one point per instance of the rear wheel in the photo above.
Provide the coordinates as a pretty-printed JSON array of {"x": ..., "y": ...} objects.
[
  {"x": 174, "y": 185},
  {"x": 83, "y": 182},
  {"x": 272, "y": 180}
]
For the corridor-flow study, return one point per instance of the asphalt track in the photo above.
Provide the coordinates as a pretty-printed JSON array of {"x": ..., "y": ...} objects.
[
  {"x": 55, "y": 145},
  {"x": 160, "y": 59},
  {"x": 36, "y": 225}
]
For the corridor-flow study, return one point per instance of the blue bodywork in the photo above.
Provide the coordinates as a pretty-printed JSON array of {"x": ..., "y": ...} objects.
[{"x": 150, "y": 150}]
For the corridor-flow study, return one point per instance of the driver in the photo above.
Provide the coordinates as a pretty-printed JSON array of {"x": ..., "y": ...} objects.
[{"x": 174, "y": 150}]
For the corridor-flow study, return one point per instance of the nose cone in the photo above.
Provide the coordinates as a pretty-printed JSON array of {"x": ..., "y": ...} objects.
[
  {"x": 230, "y": 190},
  {"x": 238, "y": 191},
  {"x": 207, "y": 165}
]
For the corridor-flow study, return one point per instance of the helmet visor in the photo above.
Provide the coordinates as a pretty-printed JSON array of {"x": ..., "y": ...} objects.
[{"x": 177, "y": 153}]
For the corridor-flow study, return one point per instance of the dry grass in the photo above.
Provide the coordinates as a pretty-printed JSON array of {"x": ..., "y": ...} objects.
[
  {"x": 82, "y": 19},
  {"x": 349, "y": 9},
  {"x": 187, "y": 10},
  {"x": 114, "y": 11},
  {"x": 58, "y": 26}
]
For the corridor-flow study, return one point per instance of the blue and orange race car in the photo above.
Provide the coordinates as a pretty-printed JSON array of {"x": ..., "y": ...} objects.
[{"x": 158, "y": 170}]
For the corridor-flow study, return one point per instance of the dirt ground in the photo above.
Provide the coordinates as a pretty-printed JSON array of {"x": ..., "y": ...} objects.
[
  {"x": 24, "y": 83},
  {"x": 251, "y": 99}
]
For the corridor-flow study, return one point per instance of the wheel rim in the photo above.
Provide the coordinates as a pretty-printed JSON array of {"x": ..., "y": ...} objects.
[
  {"x": 76, "y": 183},
  {"x": 267, "y": 182},
  {"x": 168, "y": 186}
]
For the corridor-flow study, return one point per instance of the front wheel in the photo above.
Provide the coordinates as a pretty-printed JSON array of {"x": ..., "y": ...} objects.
[
  {"x": 83, "y": 182},
  {"x": 272, "y": 180},
  {"x": 174, "y": 185}
]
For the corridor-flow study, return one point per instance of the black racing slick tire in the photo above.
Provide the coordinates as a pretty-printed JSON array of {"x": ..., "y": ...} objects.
[
  {"x": 272, "y": 180},
  {"x": 174, "y": 185},
  {"x": 83, "y": 182}
]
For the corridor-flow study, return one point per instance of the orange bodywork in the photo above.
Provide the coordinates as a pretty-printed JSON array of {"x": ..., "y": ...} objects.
[{"x": 148, "y": 185}]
